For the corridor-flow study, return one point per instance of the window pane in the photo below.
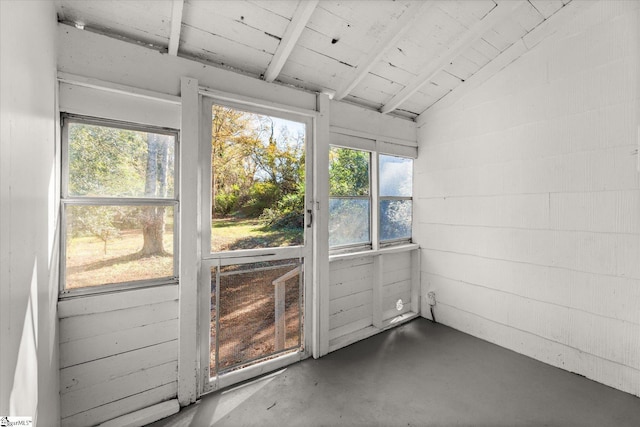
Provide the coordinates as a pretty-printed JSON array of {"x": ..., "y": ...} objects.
[
  {"x": 258, "y": 187},
  {"x": 116, "y": 244},
  {"x": 395, "y": 176},
  {"x": 348, "y": 221},
  {"x": 395, "y": 219},
  {"x": 348, "y": 172},
  {"x": 111, "y": 162}
]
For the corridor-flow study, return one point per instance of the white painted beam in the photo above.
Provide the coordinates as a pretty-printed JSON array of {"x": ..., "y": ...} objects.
[
  {"x": 290, "y": 38},
  {"x": 387, "y": 42},
  {"x": 176, "y": 25},
  {"x": 321, "y": 296},
  {"x": 499, "y": 13},
  {"x": 189, "y": 253}
]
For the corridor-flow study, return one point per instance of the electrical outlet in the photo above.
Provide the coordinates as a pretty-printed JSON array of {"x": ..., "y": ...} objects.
[{"x": 431, "y": 297}]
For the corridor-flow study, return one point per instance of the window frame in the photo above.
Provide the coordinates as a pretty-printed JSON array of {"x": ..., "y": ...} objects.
[
  {"x": 402, "y": 240},
  {"x": 66, "y": 201},
  {"x": 375, "y": 200},
  {"x": 353, "y": 247}
]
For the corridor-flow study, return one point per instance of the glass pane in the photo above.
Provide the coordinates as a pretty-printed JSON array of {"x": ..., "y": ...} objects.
[
  {"x": 348, "y": 172},
  {"x": 260, "y": 312},
  {"x": 395, "y": 219},
  {"x": 348, "y": 221},
  {"x": 395, "y": 176},
  {"x": 115, "y": 244},
  {"x": 258, "y": 185},
  {"x": 111, "y": 162}
]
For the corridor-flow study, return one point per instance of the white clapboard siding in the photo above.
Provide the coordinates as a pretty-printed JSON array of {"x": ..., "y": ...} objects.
[
  {"x": 527, "y": 197},
  {"x": 350, "y": 294},
  {"x": 124, "y": 406},
  {"x": 82, "y": 400},
  {"x": 396, "y": 284},
  {"x": 118, "y": 353},
  {"x": 79, "y": 327},
  {"x": 348, "y": 316},
  {"x": 349, "y": 328},
  {"x": 358, "y": 295},
  {"x": 88, "y": 349},
  {"x": 340, "y": 305},
  {"x": 116, "y": 301},
  {"x": 98, "y": 371}
]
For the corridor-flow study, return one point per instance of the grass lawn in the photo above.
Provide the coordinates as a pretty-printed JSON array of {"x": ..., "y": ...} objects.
[
  {"x": 88, "y": 264},
  {"x": 248, "y": 233}
]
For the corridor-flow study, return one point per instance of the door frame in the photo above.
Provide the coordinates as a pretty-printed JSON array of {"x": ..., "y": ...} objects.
[{"x": 207, "y": 99}]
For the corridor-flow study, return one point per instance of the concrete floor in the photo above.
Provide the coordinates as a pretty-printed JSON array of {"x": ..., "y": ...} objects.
[{"x": 418, "y": 374}]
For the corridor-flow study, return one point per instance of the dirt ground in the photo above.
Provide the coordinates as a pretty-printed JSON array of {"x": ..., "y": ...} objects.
[{"x": 247, "y": 314}]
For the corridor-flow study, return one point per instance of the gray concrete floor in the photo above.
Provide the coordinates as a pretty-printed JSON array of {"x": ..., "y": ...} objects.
[{"x": 418, "y": 374}]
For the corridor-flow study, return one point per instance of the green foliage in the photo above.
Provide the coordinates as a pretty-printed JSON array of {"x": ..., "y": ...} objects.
[
  {"x": 262, "y": 195},
  {"x": 288, "y": 212},
  {"x": 227, "y": 202},
  {"x": 98, "y": 221},
  {"x": 106, "y": 161},
  {"x": 348, "y": 172},
  {"x": 257, "y": 172}
]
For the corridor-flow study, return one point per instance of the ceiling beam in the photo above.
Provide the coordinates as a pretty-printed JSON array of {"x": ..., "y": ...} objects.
[
  {"x": 384, "y": 44},
  {"x": 499, "y": 13},
  {"x": 290, "y": 38},
  {"x": 176, "y": 26}
]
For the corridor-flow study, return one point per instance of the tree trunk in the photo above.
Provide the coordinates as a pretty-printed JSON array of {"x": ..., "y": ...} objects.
[{"x": 155, "y": 186}]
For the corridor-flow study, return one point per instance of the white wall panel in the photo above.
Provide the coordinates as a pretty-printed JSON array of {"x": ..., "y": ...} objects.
[
  {"x": 527, "y": 201},
  {"x": 29, "y": 211},
  {"x": 359, "y": 296},
  {"x": 118, "y": 352}
]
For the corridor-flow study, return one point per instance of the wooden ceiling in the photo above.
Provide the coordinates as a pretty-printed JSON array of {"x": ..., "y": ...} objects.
[{"x": 398, "y": 57}]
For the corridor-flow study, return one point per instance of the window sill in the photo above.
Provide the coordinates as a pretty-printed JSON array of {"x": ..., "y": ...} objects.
[{"x": 370, "y": 253}]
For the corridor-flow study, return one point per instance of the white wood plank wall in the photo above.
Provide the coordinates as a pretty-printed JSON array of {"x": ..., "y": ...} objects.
[
  {"x": 527, "y": 202},
  {"x": 361, "y": 298},
  {"x": 118, "y": 353}
]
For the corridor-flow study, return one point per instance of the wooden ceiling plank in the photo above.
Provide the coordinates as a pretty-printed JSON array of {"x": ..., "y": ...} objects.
[
  {"x": 498, "y": 14},
  {"x": 230, "y": 29},
  {"x": 290, "y": 38},
  {"x": 246, "y": 13},
  {"x": 547, "y": 29},
  {"x": 388, "y": 41},
  {"x": 547, "y": 7},
  {"x": 176, "y": 26}
]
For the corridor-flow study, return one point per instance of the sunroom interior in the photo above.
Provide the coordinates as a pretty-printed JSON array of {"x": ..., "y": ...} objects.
[{"x": 473, "y": 163}]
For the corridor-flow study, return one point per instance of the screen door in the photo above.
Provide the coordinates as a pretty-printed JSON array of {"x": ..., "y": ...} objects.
[{"x": 256, "y": 232}]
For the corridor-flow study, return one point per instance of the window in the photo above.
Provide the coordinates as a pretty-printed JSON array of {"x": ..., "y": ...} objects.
[
  {"x": 119, "y": 202},
  {"x": 351, "y": 199},
  {"x": 396, "y": 187}
]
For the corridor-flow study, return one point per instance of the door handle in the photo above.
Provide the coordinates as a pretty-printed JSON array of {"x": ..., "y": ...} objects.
[{"x": 310, "y": 212}]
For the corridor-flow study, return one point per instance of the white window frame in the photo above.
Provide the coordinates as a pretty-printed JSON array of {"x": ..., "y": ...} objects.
[
  {"x": 402, "y": 240},
  {"x": 66, "y": 200},
  {"x": 362, "y": 246},
  {"x": 375, "y": 148}
]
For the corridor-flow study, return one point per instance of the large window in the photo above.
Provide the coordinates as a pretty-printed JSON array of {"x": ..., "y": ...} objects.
[
  {"x": 119, "y": 204},
  {"x": 351, "y": 199}
]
